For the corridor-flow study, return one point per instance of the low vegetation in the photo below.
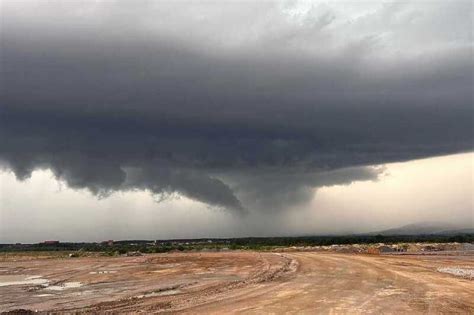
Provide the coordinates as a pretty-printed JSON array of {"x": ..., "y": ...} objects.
[{"x": 250, "y": 243}]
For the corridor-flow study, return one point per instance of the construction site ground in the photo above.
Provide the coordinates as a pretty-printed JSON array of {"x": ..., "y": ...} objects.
[{"x": 239, "y": 282}]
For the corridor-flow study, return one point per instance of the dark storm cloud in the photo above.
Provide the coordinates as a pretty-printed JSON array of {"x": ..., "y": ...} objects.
[{"x": 187, "y": 98}]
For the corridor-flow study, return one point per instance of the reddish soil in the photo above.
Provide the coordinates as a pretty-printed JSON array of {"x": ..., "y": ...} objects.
[{"x": 237, "y": 282}]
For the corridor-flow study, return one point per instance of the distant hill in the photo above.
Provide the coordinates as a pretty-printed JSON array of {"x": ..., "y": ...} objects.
[{"x": 427, "y": 228}]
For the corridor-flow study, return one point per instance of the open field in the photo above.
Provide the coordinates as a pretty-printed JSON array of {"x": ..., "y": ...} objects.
[{"x": 235, "y": 281}]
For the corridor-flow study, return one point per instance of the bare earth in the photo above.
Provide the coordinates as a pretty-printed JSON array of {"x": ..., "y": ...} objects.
[{"x": 238, "y": 282}]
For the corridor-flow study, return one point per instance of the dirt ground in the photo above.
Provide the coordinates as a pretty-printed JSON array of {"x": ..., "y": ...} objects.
[{"x": 238, "y": 282}]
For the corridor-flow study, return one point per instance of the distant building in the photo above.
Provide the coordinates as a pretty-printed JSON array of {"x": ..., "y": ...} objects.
[
  {"x": 385, "y": 249},
  {"x": 373, "y": 251},
  {"x": 400, "y": 249},
  {"x": 380, "y": 250}
]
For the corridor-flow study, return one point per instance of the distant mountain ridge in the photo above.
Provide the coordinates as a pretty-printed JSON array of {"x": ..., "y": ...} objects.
[{"x": 427, "y": 228}]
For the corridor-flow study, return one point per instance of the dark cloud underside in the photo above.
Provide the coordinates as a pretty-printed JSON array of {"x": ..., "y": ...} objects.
[{"x": 148, "y": 97}]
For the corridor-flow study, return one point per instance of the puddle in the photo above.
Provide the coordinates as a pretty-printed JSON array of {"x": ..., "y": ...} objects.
[
  {"x": 102, "y": 272},
  {"x": 85, "y": 292},
  {"x": 8, "y": 280},
  {"x": 22, "y": 280},
  {"x": 169, "y": 270},
  {"x": 459, "y": 271},
  {"x": 160, "y": 293},
  {"x": 170, "y": 265},
  {"x": 64, "y": 286}
]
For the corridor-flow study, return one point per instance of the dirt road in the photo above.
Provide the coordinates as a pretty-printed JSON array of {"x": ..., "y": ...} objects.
[
  {"x": 240, "y": 282},
  {"x": 350, "y": 284}
]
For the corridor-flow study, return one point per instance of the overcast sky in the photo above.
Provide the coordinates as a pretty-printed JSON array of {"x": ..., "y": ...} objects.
[{"x": 155, "y": 119}]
